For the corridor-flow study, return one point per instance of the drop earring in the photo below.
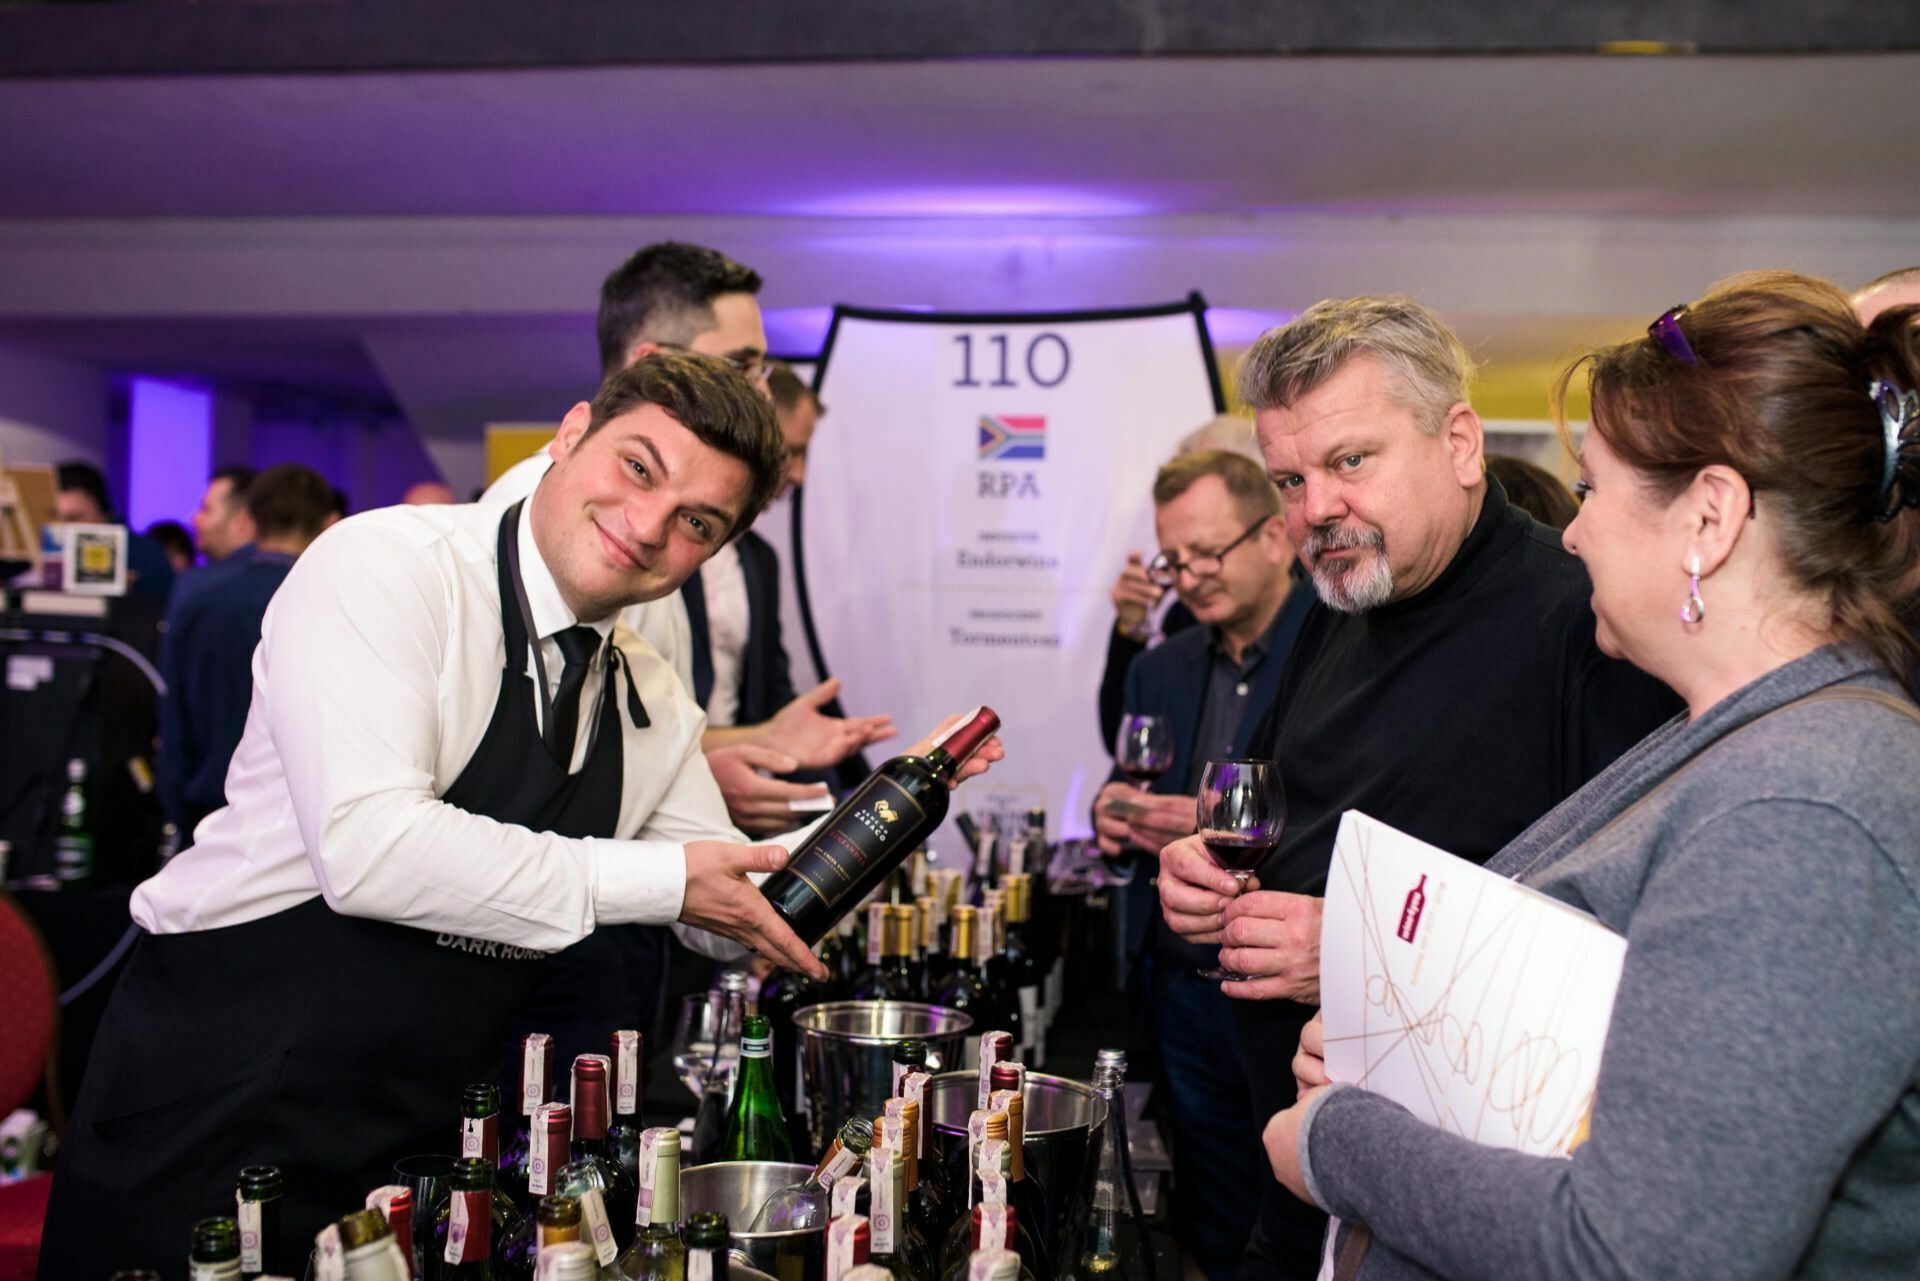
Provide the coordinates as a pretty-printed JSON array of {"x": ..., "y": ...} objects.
[{"x": 1695, "y": 609}]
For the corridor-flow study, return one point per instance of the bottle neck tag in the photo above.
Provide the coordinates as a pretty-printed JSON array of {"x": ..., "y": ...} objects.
[
  {"x": 914, "y": 1090},
  {"x": 846, "y": 1196},
  {"x": 989, "y": 1055},
  {"x": 594, "y": 1228},
  {"x": 976, "y": 1135},
  {"x": 480, "y": 1137},
  {"x": 247, "y": 1215},
  {"x": 700, "y": 1265},
  {"x": 841, "y": 1163},
  {"x": 876, "y": 932},
  {"x": 469, "y": 1228},
  {"x": 626, "y": 1098},
  {"x": 535, "y": 1053},
  {"x": 992, "y": 1170},
  {"x": 993, "y": 1226},
  {"x": 884, "y": 1164},
  {"x": 548, "y": 1151},
  {"x": 643, "y": 1204},
  {"x": 840, "y": 1243}
]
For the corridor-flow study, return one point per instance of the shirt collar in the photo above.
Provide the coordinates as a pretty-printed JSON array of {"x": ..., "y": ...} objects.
[
  {"x": 550, "y": 612},
  {"x": 1249, "y": 657},
  {"x": 1256, "y": 650}
]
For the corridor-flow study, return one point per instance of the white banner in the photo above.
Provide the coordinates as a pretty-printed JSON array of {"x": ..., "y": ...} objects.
[{"x": 971, "y": 496}]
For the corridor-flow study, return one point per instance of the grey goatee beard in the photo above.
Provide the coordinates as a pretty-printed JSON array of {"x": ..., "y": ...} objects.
[{"x": 1367, "y": 584}]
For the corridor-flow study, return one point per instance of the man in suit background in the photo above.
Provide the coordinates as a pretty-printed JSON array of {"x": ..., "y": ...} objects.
[
  {"x": 1225, "y": 552},
  {"x": 741, "y": 673},
  {"x": 211, "y": 635}
]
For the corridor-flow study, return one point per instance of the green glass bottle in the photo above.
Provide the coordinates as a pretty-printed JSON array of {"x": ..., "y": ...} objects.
[
  {"x": 707, "y": 1242},
  {"x": 73, "y": 847},
  {"x": 623, "y": 1136},
  {"x": 657, "y": 1253},
  {"x": 216, "y": 1251},
  {"x": 256, "y": 1198},
  {"x": 480, "y": 1141},
  {"x": 463, "y": 1226},
  {"x": 756, "y": 1126}
]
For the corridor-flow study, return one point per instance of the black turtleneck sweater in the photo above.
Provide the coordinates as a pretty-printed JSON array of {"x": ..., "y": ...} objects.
[{"x": 1458, "y": 715}]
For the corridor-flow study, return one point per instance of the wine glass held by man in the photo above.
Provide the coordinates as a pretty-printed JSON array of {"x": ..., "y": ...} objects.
[{"x": 1750, "y": 483}]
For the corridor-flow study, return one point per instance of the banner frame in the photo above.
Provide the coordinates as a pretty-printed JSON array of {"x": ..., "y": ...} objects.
[{"x": 1194, "y": 303}]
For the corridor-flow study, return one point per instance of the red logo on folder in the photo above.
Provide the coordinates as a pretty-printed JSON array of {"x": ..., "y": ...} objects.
[{"x": 1410, "y": 914}]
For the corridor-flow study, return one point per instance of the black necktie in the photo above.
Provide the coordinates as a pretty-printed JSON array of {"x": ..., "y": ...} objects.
[{"x": 577, "y": 644}]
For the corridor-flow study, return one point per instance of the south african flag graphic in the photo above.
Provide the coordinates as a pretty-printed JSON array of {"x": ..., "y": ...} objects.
[{"x": 1013, "y": 437}]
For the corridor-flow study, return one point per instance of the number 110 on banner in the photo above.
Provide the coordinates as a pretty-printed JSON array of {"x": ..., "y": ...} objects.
[{"x": 999, "y": 359}]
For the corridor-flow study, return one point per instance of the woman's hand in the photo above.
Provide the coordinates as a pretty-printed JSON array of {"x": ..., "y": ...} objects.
[
  {"x": 1282, "y": 1141},
  {"x": 1310, "y": 1060}
]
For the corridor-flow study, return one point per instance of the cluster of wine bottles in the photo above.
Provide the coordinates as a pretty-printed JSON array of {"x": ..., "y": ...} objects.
[
  {"x": 985, "y": 940},
  {"x": 558, "y": 1202},
  {"x": 899, "y": 1211}
]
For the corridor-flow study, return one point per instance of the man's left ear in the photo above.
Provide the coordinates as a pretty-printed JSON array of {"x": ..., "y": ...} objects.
[{"x": 1466, "y": 441}]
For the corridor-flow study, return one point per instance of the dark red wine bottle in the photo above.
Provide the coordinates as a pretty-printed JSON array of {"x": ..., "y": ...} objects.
[{"x": 880, "y": 822}]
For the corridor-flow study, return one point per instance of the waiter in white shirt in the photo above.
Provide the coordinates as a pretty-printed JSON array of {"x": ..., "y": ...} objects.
[
  {"x": 447, "y": 772},
  {"x": 683, "y": 297}
]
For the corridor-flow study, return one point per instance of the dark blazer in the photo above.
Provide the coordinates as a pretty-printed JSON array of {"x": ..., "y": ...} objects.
[
  {"x": 766, "y": 683},
  {"x": 1171, "y": 680},
  {"x": 766, "y": 678},
  {"x": 1121, "y": 651},
  {"x": 207, "y": 662}
]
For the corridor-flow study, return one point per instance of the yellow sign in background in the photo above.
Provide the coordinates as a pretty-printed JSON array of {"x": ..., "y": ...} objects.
[{"x": 508, "y": 443}]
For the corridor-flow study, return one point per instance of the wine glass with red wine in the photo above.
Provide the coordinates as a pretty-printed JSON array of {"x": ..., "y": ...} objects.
[
  {"x": 1241, "y": 813},
  {"x": 1144, "y": 747}
]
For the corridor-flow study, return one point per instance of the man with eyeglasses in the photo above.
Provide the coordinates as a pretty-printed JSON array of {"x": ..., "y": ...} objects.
[{"x": 1224, "y": 551}]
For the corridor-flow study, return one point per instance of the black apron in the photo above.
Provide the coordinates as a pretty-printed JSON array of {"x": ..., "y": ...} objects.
[{"x": 328, "y": 1045}]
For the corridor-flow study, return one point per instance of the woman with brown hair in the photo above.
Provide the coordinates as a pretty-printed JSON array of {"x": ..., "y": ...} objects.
[{"x": 1748, "y": 491}]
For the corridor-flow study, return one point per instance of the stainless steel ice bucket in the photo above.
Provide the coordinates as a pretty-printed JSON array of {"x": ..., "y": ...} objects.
[
  {"x": 1059, "y": 1118},
  {"x": 738, "y": 1189},
  {"x": 846, "y": 1055}
]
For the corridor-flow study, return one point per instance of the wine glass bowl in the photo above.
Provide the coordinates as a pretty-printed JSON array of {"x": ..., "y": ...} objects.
[
  {"x": 693, "y": 1037},
  {"x": 1240, "y": 813},
  {"x": 1143, "y": 748}
]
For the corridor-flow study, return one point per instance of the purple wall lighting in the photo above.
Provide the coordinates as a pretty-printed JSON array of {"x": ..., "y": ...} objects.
[
  {"x": 1240, "y": 326},
  {"x": 169, "y": 450}
]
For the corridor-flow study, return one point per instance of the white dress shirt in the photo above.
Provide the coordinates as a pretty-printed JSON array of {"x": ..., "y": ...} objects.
[
  {"x": 376, "y": 675},
  {"x": 723, "y": 582},
  {"x": 661, "y": 623}
]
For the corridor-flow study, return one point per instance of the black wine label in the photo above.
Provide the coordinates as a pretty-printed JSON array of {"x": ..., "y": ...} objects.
[{"x": 879, "y": 819}]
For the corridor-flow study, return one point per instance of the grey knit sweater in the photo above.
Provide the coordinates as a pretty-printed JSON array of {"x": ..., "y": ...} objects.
[{"x": 1758, "y": 1106}]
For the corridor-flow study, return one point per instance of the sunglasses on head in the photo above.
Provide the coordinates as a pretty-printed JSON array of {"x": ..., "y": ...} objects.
[{"x": 1667, "y": 332}]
